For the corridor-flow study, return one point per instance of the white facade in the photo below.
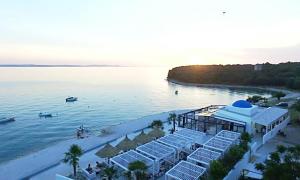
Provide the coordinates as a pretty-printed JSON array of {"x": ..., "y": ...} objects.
[{"x": 258, "y": 120}]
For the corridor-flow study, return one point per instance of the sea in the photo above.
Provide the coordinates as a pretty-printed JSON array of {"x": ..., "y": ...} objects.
[{"x": 107, "y": 96}]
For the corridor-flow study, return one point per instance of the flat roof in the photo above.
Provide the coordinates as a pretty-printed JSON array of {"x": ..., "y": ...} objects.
[
  {"x": 204, "y": 156},
  {"x": 195, "y": 136},
  {"x": 228, "y": 135},
  {"x": 156, "y": 150},
  {"x": 218, "y": 144},
  {"x": 269, "y": 115},
  {"x": 177, "y": 142},
  {"x": 186, "y": 171},
  {"x": 123, "y": 160}
]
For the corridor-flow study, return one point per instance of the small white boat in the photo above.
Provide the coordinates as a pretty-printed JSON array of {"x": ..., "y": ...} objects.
[
  {"x": 71, "y": 99},
  {"x": 45, "y": 115},
  {"x": 7, "y": 120}
]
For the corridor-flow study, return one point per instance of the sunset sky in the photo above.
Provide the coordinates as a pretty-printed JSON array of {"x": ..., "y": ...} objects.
[{"x": 149, "y": 33}]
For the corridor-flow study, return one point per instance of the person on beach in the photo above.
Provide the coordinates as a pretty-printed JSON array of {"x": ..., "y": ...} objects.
[{"x": 89, "y": 169}]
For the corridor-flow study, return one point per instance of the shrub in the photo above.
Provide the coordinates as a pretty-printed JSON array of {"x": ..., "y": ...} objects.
[
  {"x": 217, "y": 170},
  {"x": 156, "y": 124},
  {"x": 286, "y": 167},
  {"x": 245, "y": 139},
  {"x": 220, "y": 168},
  {"x": 139, "y": 168},
  {"x": 234, "y": 154},
  {"x": 296, "y": 106},
  {"x": 255, "y": 99}
]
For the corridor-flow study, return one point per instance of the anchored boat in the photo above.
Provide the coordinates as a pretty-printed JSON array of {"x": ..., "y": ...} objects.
[
  {"x": 71, "y": 99},
  {"x": 45, "y": 115},
  {"x": 7, "y": 120}
]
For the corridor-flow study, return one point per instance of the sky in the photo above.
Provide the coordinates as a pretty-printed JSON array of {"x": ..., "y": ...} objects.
[{"x": 149, "y": 32}]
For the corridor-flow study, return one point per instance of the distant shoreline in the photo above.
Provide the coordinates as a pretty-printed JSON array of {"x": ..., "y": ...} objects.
[
  {"x": 289, "y": 93},
  {"x": 47, "y": 65}
]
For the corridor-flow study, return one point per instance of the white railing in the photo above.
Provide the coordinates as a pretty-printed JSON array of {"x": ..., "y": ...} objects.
[
  {"x": 270, "y": 134},
  {"x": 254, "y": 147}
]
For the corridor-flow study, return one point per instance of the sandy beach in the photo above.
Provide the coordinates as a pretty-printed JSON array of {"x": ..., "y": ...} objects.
[{"x": 46, "y": 163}]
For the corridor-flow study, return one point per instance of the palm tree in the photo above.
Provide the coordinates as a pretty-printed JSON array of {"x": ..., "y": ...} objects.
[
  {"x": 139, "y": 168},
  {"x": 172, "y": 118},
  {"x": 278, "y": 95},
  {"x": 110, "y": 172},
  {"x": 72, "y": 156},
  {"x": 127, "y": 175}
]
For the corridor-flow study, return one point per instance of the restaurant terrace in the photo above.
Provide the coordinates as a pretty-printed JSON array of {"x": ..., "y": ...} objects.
[
  {"x": 185, "y": 171},
  {"x": 123, "y": 160},
  {"x": 159, "y": 152},
  {"x": 218, "y": 144},
  {"x": 203, "y": 156}
]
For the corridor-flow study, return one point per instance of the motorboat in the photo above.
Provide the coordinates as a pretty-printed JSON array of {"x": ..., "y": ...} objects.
[
  {"x": 45, "y": 115},
  {"x": 71, "y": 99},
  {"x": 7, "y": 120}
]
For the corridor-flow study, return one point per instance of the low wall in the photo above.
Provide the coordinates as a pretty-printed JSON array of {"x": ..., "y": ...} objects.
[
  {"x": 235, "y": 173},
  {"x": 269, "y": 135}
]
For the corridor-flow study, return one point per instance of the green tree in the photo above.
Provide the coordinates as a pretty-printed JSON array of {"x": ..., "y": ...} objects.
[
  {"x": 282, "y": 164},
  {"x": 217, "y": 170},
  {"x": 127, "y": 175},
  {"x": 172, "y": 119},
  {"x": 72, "y": 156},
  {"x": 234, "y": 154},
  {"x": 255, "y": 99},
  {"x": 283, "y": 74},
  {"x": 157, "y": 124},
  {"x": 281, "y": 149},
  {"x": 110, "y": 172},
  {"x": 139, "y": 168},
  {"x": 296, "y": 106},
  {"x": 245, "y": 139},
  {"x": 278, "y": 95}
]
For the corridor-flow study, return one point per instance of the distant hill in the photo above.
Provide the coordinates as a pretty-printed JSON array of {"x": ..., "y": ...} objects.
[
  {"x": 283, "y": 74},
  {"x": 45, "y": 65}
]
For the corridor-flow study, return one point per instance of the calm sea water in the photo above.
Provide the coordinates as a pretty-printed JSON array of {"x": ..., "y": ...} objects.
[{"x": 107, "y": 96}]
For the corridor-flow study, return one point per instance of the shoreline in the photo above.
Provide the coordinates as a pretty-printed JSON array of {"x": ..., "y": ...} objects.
[
  {"x": 45, "y": 163},
  {"x": 289, "y": 93},
  {"x": 38, "y": 163}
]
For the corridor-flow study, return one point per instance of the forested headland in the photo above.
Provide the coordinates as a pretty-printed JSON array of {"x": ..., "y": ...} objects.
[{"x": 283, "y": 74}]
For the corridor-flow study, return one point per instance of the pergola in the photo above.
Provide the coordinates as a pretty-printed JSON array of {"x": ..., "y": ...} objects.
[
  {"x": 123, "y": 160},
  {"x": 217, "y": 144},
  {"x": 195, "y": 136},
  {"x": 203, "y": 156},
  {"x": 229, "y": 135},
  {"x": 178, "y": 142},
  {"x": 185, "y": 171},
  {"x": 159, "y": 152}
]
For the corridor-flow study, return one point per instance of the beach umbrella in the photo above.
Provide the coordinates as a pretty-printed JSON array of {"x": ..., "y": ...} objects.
[
  {"x": 126, "y": 144},
  {"x": 142, "y": 138},
  {"x": 107, "y": 151},
  {"x": 156, "y": 133}
]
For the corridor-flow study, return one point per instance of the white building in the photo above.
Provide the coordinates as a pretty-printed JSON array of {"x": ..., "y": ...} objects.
[{"x": 258, "y": 121}]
